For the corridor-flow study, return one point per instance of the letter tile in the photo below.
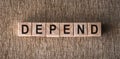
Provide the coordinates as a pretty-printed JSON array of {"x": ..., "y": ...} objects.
[
  {"x": 24, "y": 29},
  {"x": 38, "y": 29},
  {"x": 94, "y": 29},
  {"x": 52, "y": 30},
  {"x": 66, "y": 29},
  {"x": 80, "y": 29}
]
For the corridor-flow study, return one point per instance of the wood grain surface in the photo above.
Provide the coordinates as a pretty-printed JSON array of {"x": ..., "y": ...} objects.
[{"x": 105, "y": 47}]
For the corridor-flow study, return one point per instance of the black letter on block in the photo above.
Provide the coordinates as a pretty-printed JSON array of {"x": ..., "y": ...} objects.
[
  {"x": 65, "y": 28},
  {"x": 52, "y": 27},
  {"x": 27, "y": 29},
  {"x": 81, "y": 29},
  {"x": 94, "y": 26},
  {"x": 37, "y": 28}
]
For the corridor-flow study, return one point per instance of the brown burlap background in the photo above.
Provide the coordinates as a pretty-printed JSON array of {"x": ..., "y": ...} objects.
[{"x": 105, "y": 47}]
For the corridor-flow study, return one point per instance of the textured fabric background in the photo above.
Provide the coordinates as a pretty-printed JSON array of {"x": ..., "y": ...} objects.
[{"x": 105, "y": 47}]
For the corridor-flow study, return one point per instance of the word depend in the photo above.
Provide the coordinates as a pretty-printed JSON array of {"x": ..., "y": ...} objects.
[{"x": 59, "y": 29}]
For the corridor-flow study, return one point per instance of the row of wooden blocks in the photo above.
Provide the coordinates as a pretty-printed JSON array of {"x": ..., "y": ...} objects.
[{"x": 59, "y": 29}]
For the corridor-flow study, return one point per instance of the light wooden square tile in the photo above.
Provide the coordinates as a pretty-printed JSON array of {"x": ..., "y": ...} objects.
[
  {"x": 94, "y": 29},
  {"x": 38, "y": 29},
  {"x": 80, "y": 29},
  {"x": 52, "y": 29},
  {"x": 66, "y": 29},
  {"x": 24, "y": 29}
]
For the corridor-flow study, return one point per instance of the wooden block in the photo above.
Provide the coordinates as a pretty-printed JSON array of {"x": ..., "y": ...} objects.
[
  {"x": 66, "y": 29},
  {"x": 24, "y": 29},
  {"x": 59, "y": 29},
  {"x": 52, "y": 30},
  {"x": 80, "y": 29},
  {"x": 94, "y": 29},
  {"x": 38, "y": 29}
]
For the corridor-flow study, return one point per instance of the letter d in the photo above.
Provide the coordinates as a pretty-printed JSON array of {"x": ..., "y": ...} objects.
[{"x": 25, "y": 29}]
